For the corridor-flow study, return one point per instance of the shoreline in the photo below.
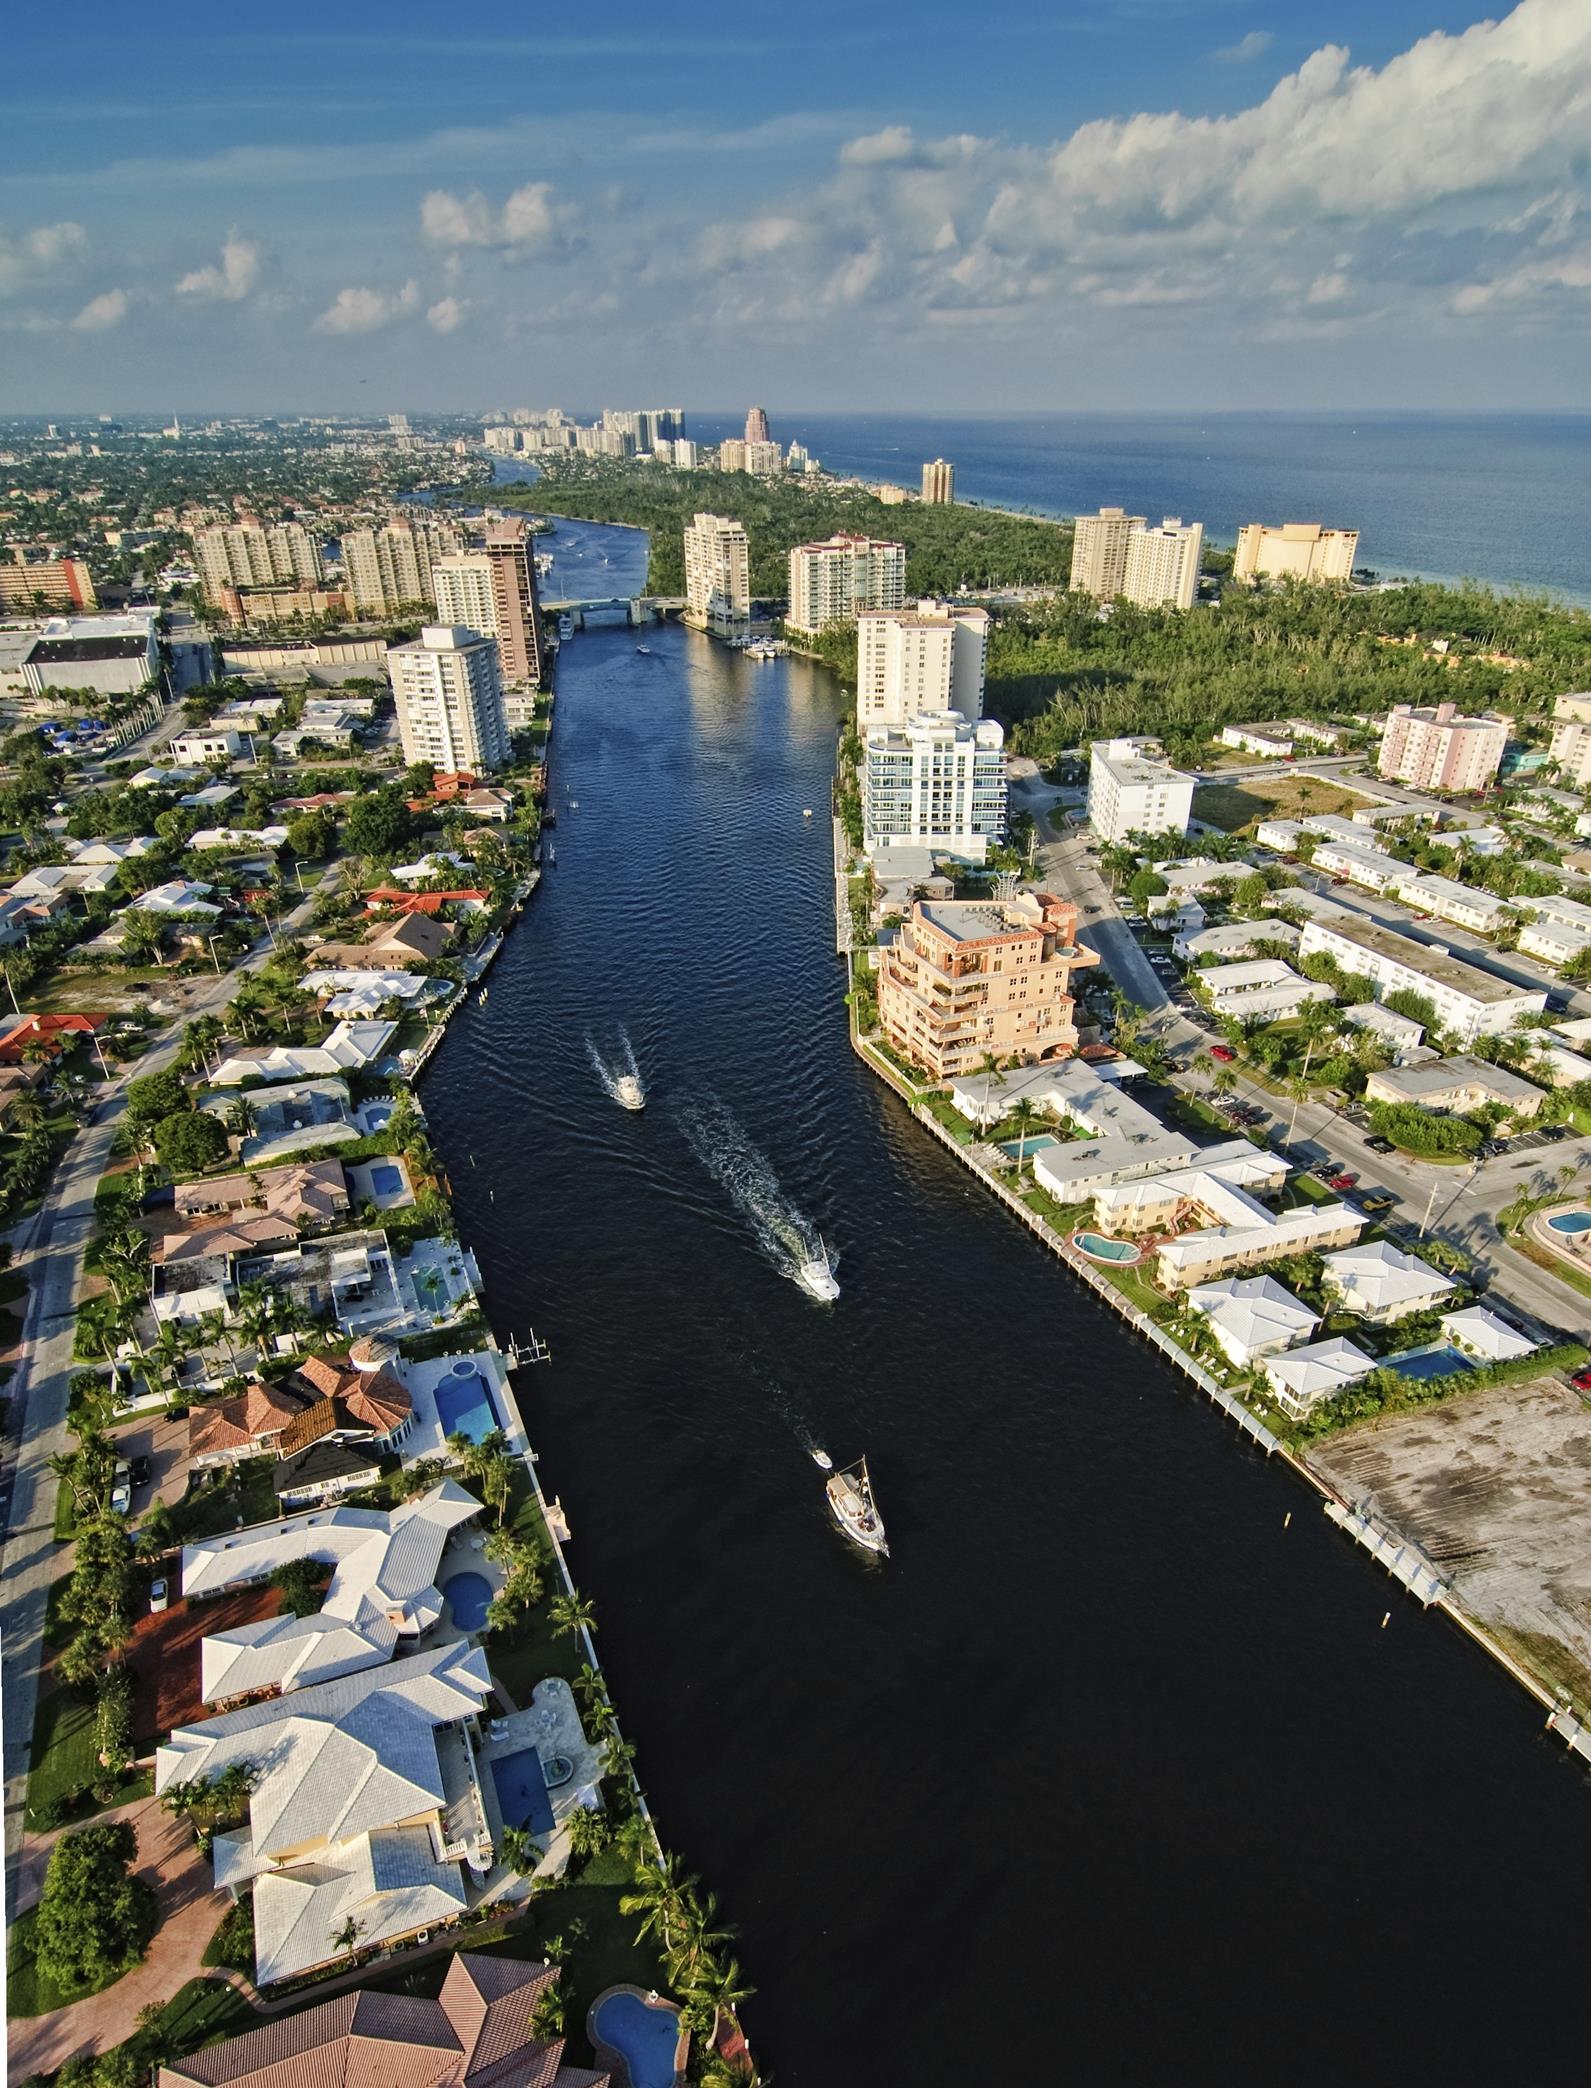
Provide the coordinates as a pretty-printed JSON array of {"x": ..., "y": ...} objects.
[{"x": 1399, "y": 1556}]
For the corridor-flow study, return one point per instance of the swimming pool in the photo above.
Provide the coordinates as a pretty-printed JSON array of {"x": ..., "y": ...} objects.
[
  {"x": 1571, "y": 1222},
  {"x": 464, "y": 1403},
  {"x": 644, "y": 2033},
  {"x": 1441, "y": 1360},
  {"x": 522, "y": 1791},
  {"x": 468, "y": 1594},
  {"x": 1122, "y": 1252},
  {"x": 1016, "y": 1148},
  {"x": 385, "y": 1179}
]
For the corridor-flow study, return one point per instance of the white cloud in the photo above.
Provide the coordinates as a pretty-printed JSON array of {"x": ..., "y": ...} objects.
[
  {"x": 1246, "y": 49},
  {"x": 107, "y": 310},
  {"x": 530, "y": 221},
  {"x": 1461, "y": 150},
  {"x": 447, "y": 314},
  {"x": 31, "y": 256},
  {"x": 234, "y": 277},
  {"x": 362, "y": 311}
]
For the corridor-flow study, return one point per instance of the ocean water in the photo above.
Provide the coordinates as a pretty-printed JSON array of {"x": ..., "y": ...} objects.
[{"x": 1504, "y": 498}]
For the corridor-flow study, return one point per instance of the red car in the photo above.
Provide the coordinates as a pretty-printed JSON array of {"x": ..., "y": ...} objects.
[
  {"x": 1343, "y": 1181},
  {"x": 1582, "y": 1378},
  {"x": 1222, "y": 1052}
]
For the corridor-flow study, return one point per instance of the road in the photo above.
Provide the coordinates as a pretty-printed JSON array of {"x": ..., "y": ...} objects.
[{"x": 51, "y": 1259}]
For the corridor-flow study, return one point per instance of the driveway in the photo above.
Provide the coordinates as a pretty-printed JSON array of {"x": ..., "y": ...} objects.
[{"x": 190, "y": 1910}]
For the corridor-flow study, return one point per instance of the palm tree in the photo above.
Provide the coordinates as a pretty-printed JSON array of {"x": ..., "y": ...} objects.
[
  {"x": 1027, "y": 1117},
  {"x": 571, "y": 1613},
  {"x": 991, "y": 1065},
  {"x": 346, "y": 1938},
  {"x": 520, "y": 1850},
  {"x": 697, "y": 1937},
  {"x": 719, "y": 1987},
  {"x": 656, "y": 1898}
]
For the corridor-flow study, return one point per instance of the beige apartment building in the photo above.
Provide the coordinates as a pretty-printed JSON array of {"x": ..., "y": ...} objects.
[
  {"x": 968, "y": 978},
  {"x": 926, "y": 658},
  {"x": 46, "y": 583},
  {"x": 1295, "y": 551},
  {"x": 831, "y": 582},
  {"x": 718, "y": 576},
  {"x": 1571, "y": 749},
  {"x": 939, "y": 483},
  {"x": 1162, "y": 569},
  {"x": 1439, "y": 749},
  {"x": 390, "y": 568},
  {"x": 256, "y": 554},
  {"x": 732, "y": 454},
  {"x": 1099, "y": 551},
  {"x": 493, "y": 590}
]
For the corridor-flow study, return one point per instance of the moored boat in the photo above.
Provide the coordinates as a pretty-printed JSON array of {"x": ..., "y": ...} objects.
[{"x": 853, "y": 1507}]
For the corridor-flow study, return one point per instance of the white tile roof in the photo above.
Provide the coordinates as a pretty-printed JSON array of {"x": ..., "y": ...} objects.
[
  {"x": 384, "y": 1566},
  {"x": 1483, "y": 1334},
  {"x": 1249, "y": 1314},
  {"x": 1301, "y": 1376},
  {"x": 389, "y": 1882},
  {"x": 1375, "y": 1276}
]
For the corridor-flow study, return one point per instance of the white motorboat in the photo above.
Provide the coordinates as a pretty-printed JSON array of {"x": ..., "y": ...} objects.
[
  {"x": 806, "y": 811},
  {"x": 821, "y": 1459},
  {"x": 628, "y": 1092},
  {"x": 644, "y": 649},
  {"x": 853, "y": 1507},
  {"x": 816, "y": 1274}
]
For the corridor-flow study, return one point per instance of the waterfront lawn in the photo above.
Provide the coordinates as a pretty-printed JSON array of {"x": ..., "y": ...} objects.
[
  {"x": 1065, "y": 1218},
  {"x": 1136, "y": 1287},
  {"x": 949, "y": 1118}
]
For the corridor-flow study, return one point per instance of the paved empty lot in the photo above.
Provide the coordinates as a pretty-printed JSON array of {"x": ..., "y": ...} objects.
[{"x": 1496, "y": 1489}]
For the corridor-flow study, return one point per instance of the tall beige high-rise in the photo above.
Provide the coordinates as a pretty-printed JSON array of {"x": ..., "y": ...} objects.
[
  {"x": 255, "y": 554},
  {"x": 450, "y": 700},
  {"x": 732, "y": 454},
  {"x": 1296, "y": 551},
  {"x": 832, "y": 581},
  {"x": 939, "y": 483},
  {"x": 1099, "y": 551},
  {"x": 390, "y": 568},
  {"x": 1162, "y": 569},
  {"x": 493, "y": 590},
  {"x": 924, "y": 659},
  {"x": 756, "y": 426},
  {"x": 718, "y": 576}
]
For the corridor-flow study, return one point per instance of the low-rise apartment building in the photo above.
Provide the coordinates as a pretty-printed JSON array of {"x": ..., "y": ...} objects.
[
  {"x": 1438, "y": 748},
  {"x": 1467, "y": 1001},
  {"x": 1252, "y": 1316},
  {"x": 1456, "y": 1086},
  {"x": 1233, "y": 939},
  {"x": 1382, "y": 1284},
  {"x": 1464, "y": 905},
  {"x": 1264, "y": 990},
  {"x": 1360, "y": 865},
  {"x": 1301, "y": 1378},
  {"x": 1272, "y": 741},
  {"x": 965, "y": 979},
  {"x": 1554, "y": 929},
  {"x": 1133, "y": 790}
]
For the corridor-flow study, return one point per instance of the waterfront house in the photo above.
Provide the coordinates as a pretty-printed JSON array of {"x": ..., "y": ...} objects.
[
  {"x": 966, "y": 978},
  {"x": 1381, "y": 1284},
  {"x": 305, "y": 1192},
  {"x": 1301, "y": 1378},
  {"x": 366, "y": 1804},
  {"x": 289, "y": 1117},
  {"x": 1252, "y": 1316},
  {"x": 382, "y": 1596},
  {"x": 360, "y": 1401},
  {"x": 349, "y": 1048},
  {"x": 475, "y": 2034},
  {"x": 1483, "y": 1336}
]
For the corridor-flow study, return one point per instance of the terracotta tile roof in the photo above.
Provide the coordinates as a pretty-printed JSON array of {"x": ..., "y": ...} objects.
[
  {"x": 362, "y": 1398},
  {"x": 308, "y": 1427},
  {"x": 366, "y": 2040},
  {"x": 259, "y": 1411}
]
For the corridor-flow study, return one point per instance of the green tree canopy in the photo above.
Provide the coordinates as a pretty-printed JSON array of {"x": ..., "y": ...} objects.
[
  {"x": 95, "y": 1919},
  {"x": 157, "y": 1095},
  {"x": 187, "y": 1144}
]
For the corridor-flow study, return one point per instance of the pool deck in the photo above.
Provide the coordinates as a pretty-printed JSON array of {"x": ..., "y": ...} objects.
[
  {"x": 610, "y": 2056},
  {"x": 1573, "y": 1248},
  {"x": 427, "y": 1437},
  {"x": 550, "y": 1723}
]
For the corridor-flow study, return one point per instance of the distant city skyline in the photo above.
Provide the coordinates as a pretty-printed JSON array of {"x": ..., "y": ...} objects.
[{"x": 1136, "y": 203}]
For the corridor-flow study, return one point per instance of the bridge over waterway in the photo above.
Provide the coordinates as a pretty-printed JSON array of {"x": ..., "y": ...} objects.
[{"x": 630, "y": 609}]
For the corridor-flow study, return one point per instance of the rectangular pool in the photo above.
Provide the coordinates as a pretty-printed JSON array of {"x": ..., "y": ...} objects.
[
  {"x": 1428, "y": 1363},
  {"x": 465, "y": 1406},
  {"x": 522, "y": 1791},
  {"x": 386, "y": 1179}
]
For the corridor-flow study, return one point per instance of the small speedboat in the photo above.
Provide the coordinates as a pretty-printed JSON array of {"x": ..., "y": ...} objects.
[
  {"x": 644, "y": 649},
  {"x": 816, "y": 1274},
  {"x": 628, "y": 1092},
  {"x": 822, "y": 1459},
  {"x": 806, "y": 811},
  {"x": 853, "y": 1507}
]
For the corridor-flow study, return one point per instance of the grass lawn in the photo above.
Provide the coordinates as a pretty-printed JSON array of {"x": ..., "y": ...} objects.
[
  {"x": 1195, "y": 1114},
  {"x": 1552, "y": 1263},
  {"x": 945, "y": 1114},
  {"x": 65, "y": 1758},
  {"x": 1306, "y": 1188},
  {"x": 1134, "y": 1286},
  {"x": 1238, "y": 808},
  {"x": 1065, "y": 1218},
  {"x": 246, "y": 1491},
  {"x": 197, "y": 2014}
]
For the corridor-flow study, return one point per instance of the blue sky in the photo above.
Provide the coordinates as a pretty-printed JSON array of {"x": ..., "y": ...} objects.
[{"x": 1135, "y": 203}]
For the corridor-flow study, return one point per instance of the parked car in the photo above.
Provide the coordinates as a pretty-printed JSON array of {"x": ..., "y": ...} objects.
[
  {"x": 140, "y": 1471},
  {"x": 1376, "y": 1200},
  {"x": 1343, "y": 1180},
  {"x": 121, "y": 1497},
  {"x": 1223, "y": 1052},
  {"x": 1324, "y": 1169},
  {"x": 159, "y": 1595},
  {"x": 1380, "y": 1145},
  {"x": 1582, "y": 1379},
  {"x": 1553, "y": 1132}
]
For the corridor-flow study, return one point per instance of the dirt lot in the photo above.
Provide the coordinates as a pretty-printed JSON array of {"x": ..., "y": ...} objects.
[
  {"x": 1237, "y": 808},
  {"x": 164, "y": 1656},
  {"x": 1496, "y": 1489}
]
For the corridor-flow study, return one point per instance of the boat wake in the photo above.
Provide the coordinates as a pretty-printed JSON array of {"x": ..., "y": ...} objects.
[
  {"x": 786, "y": 1236},
  {"x": 785, "y": 1406},
  {"x": 619, "y": 1074}
]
